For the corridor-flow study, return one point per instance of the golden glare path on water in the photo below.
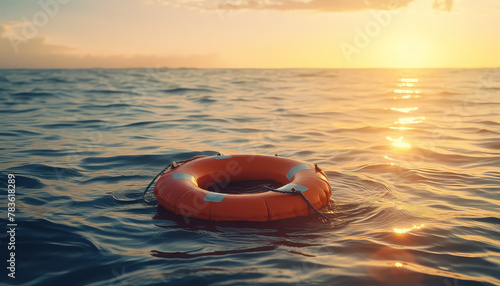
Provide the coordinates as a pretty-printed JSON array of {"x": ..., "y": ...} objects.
[{"x": 406, "y": 89}]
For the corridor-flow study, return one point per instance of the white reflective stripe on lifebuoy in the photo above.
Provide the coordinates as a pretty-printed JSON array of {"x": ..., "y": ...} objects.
[
  {"x": 222, "y": 157},
  {"x": 288, "y": 188},
  {"x": 295, "y": 169},
  {"x": 214, "y": 197},
  {"x": 184, "y": 176}
]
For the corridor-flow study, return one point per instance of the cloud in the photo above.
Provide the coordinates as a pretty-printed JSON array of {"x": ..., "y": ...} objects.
[
  {"x": 305, "y": 5},
  {"x": 316, "y": 5},
  {"x": 19, "y": 51},
  {"x": 443, "y": 5},
  {"x": 9, "y": 28}
]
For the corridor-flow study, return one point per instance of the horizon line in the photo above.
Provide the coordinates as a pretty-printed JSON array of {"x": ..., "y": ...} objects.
[{"x": 227, "y": 68}]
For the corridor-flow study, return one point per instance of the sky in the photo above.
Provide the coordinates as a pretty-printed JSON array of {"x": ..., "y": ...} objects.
[{"x": 250, "y": 33}]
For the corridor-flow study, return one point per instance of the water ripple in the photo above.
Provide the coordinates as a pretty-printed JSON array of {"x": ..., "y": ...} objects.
[{"x": 419, "y": 208}]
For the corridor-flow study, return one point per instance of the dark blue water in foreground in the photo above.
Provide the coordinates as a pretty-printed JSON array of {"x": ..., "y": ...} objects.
[{"x": 413, "y": 157}]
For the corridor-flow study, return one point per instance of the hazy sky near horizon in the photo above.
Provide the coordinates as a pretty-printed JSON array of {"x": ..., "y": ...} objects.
[{"x": 249, "y": 33}]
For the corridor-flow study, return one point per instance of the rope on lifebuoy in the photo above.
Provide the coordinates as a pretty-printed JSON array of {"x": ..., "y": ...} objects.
[
  {"x": 171, "y": 166},
  {"x": 294, "y": 191},
  {"x": 154, "y": 180}
]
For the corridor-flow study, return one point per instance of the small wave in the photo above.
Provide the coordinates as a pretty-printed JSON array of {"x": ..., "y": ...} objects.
[
  {"x": 92, "y": 121},
  {"x": 29, "y": 95},
  {"x": 448, "y": 93},
  {"x": 45, "y": 152},
  {"x": 115, "y": 179},
  {"x": 250, "y": 130},
  {"x": 47, "y": 171},
  {"x": 205, "y": 99},
  {"x": 318, "y": 74},
  {"x": 491, "y": 144},
  {"x": 486, "y": 131},
  {"x": 274, "y": 98},
  {"x": 7, "y": 134},
  {"x": 32, "y": 201},
  {"x": 491, "y": 88},
  {"x": 453, "y": 159},
  {"x": 303, "y": 153},
  {"x": 19, "y": 111},
  {"x": 190, "y": 271},
  {"x": 25, "y": 181},
  {"x": 189, "y": 255},
  {"x": 108, "y": 91},
  {"x": 168, "y": 106},
  {"x": 20, "y": 82},
  {"x": 128, "y": 197},
  {"x": 57, "y": 125},
  {"x": 77, "y": 124},
  {"x": 26, "y": 132},
  {"x": 434, "y": 176},
  {"x": 114, "y": 105},
  {"x": 494, "y": 221},
  {"x": 241, "y": 99},
  {"x": 243, "y": 119},
  {"x": 181, "y": 90},
  {"x": 384, "y": 168},
  {"x": 49, "y": 239},
  {"x": 365, "y": 129},
  {"x": 101, "y": 202},
  {"x": 488, "y": 122},
  {"x": 52, "y": 137},
  {"x": 143, "y": 123},
  {"x": 327, "y": 114},
  {"x": 138, "y": 160},
  {"x": 239, "y": 82},
  {"x": 206, "y": 117},
  {"x": 57, "y": 80}
]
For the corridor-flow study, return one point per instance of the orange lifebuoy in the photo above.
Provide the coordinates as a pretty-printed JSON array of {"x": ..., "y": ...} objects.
[{"x": 182, "y": 189}]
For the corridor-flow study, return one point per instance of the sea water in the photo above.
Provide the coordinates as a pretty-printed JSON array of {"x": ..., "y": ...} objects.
[{"x": 413, "y": 158}]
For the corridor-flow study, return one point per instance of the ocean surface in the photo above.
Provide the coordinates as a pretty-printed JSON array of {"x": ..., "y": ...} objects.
[{"x": 413, "y": 157}]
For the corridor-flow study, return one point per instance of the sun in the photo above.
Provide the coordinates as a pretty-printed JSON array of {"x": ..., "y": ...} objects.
[{"x": 409, "y": 53}]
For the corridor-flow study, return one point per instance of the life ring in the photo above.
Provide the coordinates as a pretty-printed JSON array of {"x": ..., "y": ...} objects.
[{"x": 182, "y": 189}]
